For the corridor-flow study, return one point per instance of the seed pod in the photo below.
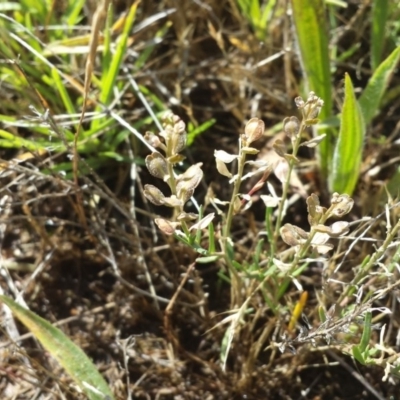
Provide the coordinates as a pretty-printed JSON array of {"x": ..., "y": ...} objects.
[{"x": 157, "y": 165}]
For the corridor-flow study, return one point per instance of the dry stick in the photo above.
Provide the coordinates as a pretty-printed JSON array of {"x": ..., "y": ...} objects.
[
  {"x": 168, "y": 310},
  {"x": 356, "y": 375},
  {"x": 137, "y": 233},
  {"x": 167, "y": 322},
  {"x": 97, "y": 23}
]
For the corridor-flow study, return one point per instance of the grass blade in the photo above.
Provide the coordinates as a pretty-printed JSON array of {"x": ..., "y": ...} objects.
[
  {"x": 380, "y": 10},
  {"x": 309, "y": 16},
  {"x": 62, "y": 91},
  {"x": 70, "y": 356},
  {"x": 348, "y": 150},
  {"x": 366, "y": 336},
  {"x": 373, "y": 93},
  {"x": 110, "y": 78}
]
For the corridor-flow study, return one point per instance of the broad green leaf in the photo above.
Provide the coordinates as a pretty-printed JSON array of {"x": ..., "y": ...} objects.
[
  {"x": 69, "y": 355},
  {"x": 373, "y": 93},
  {"x": 312, "y": 37},
  {"x": 349, "y": 146},
  {"x": 380, "y": 9}
]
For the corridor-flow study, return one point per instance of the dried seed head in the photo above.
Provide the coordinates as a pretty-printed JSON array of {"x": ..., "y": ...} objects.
[
  {"x": 299, "y": 102},
  {"x": 339, "y": 228},
  {"x": 291, "y": 126},
  {"x": 168, "y": 227},
  {"x": 174, "y": 134},
  {"x": 253, "y": 130},
  {"x": 319, "y": 241},
  {"x": 188, "y": 181},
  {"x": 281, "y": 170},
  {"x": 279, "y": 148},
  {"x": 341, "y": 204},
  {"x": 154, "y": 195},
  {"x": 153, "y": 140},
  {"x": 313, "y": 106},
  {"x": 172, "y": 202},
  {"x": 293, "y": 235},
  {"x": 310, "y": 108},
  {"x": 157, "y": 165},
  {"x": 315, "y": 211}
]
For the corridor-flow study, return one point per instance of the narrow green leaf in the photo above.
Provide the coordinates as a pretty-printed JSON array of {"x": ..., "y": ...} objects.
[
  {"x": 194, "y": 132},
  {"x": 379, "y": 11},
  {"x": 107, "y": 54},
  {"x": 349, "y": 146},
  {"x": 70, "y": 356},
  {"x": 312, "y": 37},
  {"x": 148, "y": 50},
  {"x": 74, "y": 12},
  {"x": 357, "y": 354},
  {"x": 321, "y": 313},
  {"x": 366, "y": 336},
  {"x": 372, "y": 94},
  {"x": 109, "y": 79},
  {"x": 211, "y": 238},
  {"x": 207, "y": 260},
  {"x": 68, "y": 103},
  {"x": 16, "y": 142}
]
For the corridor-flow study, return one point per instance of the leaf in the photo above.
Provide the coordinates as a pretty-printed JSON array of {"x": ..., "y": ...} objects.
[
  {"x": 312, "y": 37},
  {"x": 349, "y": 146},
  {"x": 224, "y": 156},
  {"x": 373, "y": 93},
  {"x": 357, "y": 354},
  {"x": 207, "y": 259},
  {"x": 109, "y": 79},
  {"x": 366, "y": 336},
  {"x": 379, "y": 13},
  {"x": 204, "y": 222},
  {"x": 194, "y": 132},
  {"x": 69, "y": 355}
]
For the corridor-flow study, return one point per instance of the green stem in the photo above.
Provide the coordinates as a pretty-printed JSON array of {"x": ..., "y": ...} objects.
[
  {"x": 235, "y": 280},
  {"x": 236, "y": 188}
]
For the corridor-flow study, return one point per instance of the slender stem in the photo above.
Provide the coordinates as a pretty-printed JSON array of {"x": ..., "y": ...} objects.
[
  {"x": 235, "y": 280},
  {"x": 372, "y": 261},
  {"x": 236, "y": 188},
  {"x": 172, "y": 186},
  {"x": 286, "y": 185}
]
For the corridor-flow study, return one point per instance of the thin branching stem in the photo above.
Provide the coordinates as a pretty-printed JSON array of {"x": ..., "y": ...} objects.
[{"x": 372, "y": 261}]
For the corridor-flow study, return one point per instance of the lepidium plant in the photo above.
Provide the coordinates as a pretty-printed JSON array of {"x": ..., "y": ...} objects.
[{"x": 261, "y": 281}]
